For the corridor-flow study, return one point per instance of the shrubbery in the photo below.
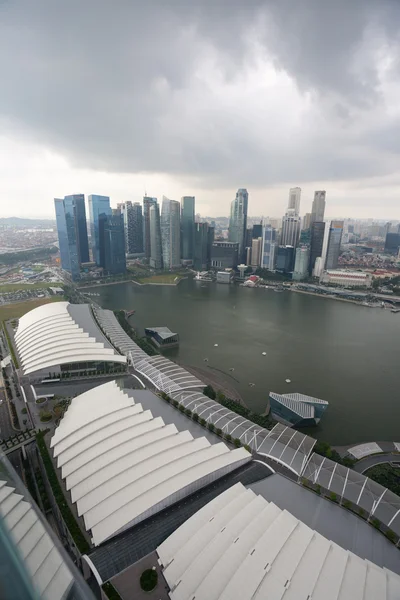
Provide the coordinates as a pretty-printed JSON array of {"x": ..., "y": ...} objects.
[{"x": 66, "y": 513}]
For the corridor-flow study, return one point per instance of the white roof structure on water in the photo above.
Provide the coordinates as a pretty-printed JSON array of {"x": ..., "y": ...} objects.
[
  {"x": 300, "y": 404},
  {"x": 163, "y": 332},
  {"x": 122, "y": 465},
  {"x": 284, "y": 445},
  {"x": 58, "y": 333},
  {"x": 241, "y": 547},
  {"x": 166, "y": 375},
  {"x": 50, "y": 575}
]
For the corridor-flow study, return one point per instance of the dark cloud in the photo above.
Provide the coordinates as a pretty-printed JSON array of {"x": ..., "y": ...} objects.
[{"x": 171, "y": 86}]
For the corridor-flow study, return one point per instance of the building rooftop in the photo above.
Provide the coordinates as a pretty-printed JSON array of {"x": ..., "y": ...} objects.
[
  {"x": 121, "y": 465},
  {"x": 163, "y": 332},
  {"x": 239, "y": 546},
  {"x": 60, "y": 332},
  {"x": 300, "y": 404}
]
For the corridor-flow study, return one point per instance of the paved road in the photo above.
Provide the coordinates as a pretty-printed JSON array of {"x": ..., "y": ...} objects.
[
  {"x": 5, "y": 424},
  {"x": 365, "y": 463}
]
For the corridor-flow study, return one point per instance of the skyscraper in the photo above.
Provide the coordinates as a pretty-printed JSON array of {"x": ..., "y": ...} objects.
[
  {"x": 291, "y": 224},
  {"x": 316, "y": 245},
  {"x": 170, "y": 233},
  {"x": 256, "y": 247},
  {"x": 133, "y": 225},
  {"x": 257, "y": 231},
  {"x": 147, "y": 203},
  {"x": 203, "y": 240},
  {"x": 301, "y": 263},
  {"x": 238, "y": 221},
  {"x": 285, "y": 259},
  {"x": 112, "y": 243},
  {"x": 318, "y": 207},
  {"x": 77, "y": 202},
  {"x": 294, "y": 200},
  {"x": 268, "y": 248},
  {"x": 187, "y": 227},
  {"x": 306, "y": 224},
  {"x": 155, "y": 237},
  {"x": 98, "y": 205},
  {"x": 333, "y": 247},
  {"x": 67, "y": 237}
]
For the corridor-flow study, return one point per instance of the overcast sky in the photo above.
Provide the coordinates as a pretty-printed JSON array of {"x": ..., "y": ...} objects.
[{"x": 183, "y": 97}]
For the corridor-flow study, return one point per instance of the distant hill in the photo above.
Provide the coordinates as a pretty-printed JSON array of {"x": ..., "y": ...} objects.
[{"x": 20, "y": 222}]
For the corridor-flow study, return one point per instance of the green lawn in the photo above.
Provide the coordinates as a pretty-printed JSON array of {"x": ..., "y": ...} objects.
[
  {"x": 17, "y": 309},
  {"x": 162, "y": 278},
  {"x": 14, "y": 287}
]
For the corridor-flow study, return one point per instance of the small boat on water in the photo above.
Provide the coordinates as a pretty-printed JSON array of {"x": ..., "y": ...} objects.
[
  {"x": 264, "y": 353},
  {"x": 288, "y": 380},
  {"x": 215, "y": 345}
]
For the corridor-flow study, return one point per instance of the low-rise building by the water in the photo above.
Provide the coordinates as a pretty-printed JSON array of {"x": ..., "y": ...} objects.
[
  {"x": 297, "y": 409},
  {"x": 162, "y": 337}
]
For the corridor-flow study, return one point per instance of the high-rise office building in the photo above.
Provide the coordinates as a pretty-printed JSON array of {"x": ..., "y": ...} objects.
[
  {"x": 67, "y": 237},
  {"x": 318, "y": 207},
  {"x": 291, "y": 225},
  {"x": 147, "y": 203},
  {"x": 285, "y": 259},
  {"x": 301, "y": 263},
  {"x": 256, "y": 248},
  {"x": 187, "y": 227},
  {"x": 268, "y": 248},
  {"x": 249, "y": 237},
  {"x": 112, "y": 243},
  {"x": 316, "y": 245},
  {"x": 257, "y": 231},
  {"x": 98, "y": 205},
  {"x": 156, "y": 261},
  {"x": 224, "y": 255},
  {"x": 333, "y": 246},
  {"x": 171, "y": 233},
  {"x": 238, "y": 221},
  {"x": 306, "y": 224},
  {"x": 203, "y": 240},
  {"x": 294, "y": 200},
  {"x": 77, "y": 202},
  {"x": 133, "y": 225}
]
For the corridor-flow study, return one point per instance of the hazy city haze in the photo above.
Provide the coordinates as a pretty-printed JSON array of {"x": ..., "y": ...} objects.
[{"x": 201, "y": 98}]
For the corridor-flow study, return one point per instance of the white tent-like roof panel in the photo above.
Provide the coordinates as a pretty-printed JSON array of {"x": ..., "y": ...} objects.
[
  {"x": 122, "y": 465},
  {"x": 240, "y": 547},
  {"x": 61, "y": 333}
]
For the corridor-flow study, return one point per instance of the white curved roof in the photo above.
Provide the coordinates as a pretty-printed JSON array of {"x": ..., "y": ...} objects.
[
  {"x": 50, "y": 575},
  {"x": 241, "y": 547},
  {"x": 121, "y": 464},
  {"x": 58, "y": 333}
]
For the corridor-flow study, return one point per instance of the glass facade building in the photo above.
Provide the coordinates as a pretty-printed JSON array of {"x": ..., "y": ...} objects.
[
  {"x": 187, "y": 227},
  {"x": 318, "y": 207},
  {"x": 156, "y": 259},
  {"x": 76, "y": 203},
  {"x": 334, "y": 241},
  {"x": 171, "y": 233},
  {"x": 238, "y": 221},
  {"x": 269, "y": 237},
  {"x": 98, "y": 205},
  {"x": 285, "y": 259},
  {"x": 317, "y": 241},
  {"x": 297, "y": 409},
  {"x": 148, "y": 202},
  {"x": 203, "y": 240},
  {"x": 112, "y": 243},
  {"x": 67, "y": 237}
]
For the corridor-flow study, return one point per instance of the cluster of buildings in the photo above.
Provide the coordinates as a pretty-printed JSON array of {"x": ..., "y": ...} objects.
[{"x": 166, "y": 237}]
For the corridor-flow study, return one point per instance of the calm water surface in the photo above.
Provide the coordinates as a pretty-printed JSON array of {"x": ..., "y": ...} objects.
[{"x": 341, "y": 352}]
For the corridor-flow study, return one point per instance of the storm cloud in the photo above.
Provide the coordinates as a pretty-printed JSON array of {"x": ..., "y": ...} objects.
[{"x": 215, "y": 92}]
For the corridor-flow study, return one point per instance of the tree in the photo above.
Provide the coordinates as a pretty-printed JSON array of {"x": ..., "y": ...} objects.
[
  {"x": 211, "y": 426},
  {"x": 210, "y": 392},
  {"x": 237, "y": 442}
]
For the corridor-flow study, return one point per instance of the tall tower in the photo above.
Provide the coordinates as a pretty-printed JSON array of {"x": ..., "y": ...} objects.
[
  {"x": 170, "y": 233},
  {"x": 187, "y": 227},
  {"x": 67, "y": 237},
  {"x": 318, "y": 207},
  {"x": 268, "y": 248},
  {"x": 77, "y": 202},
  {"x": 133, "y": 225},
  {"x": 291, "y": 225},
  {"x": 147, "y": 203},
  {"x": 112, "y": 242},
  {"x": 294, "y": 200},
  {"x": 98, "y": 205},
  {"x": 333, "y": 246},
  {"x": 317, "y": 242},
  {"x": 238, "y": 221},
  {"x": 155, "y": 237}
]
